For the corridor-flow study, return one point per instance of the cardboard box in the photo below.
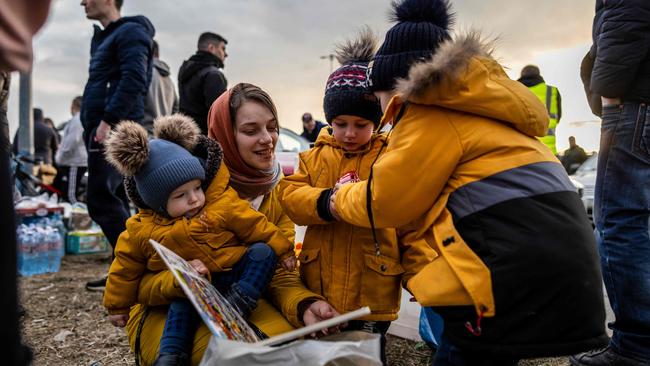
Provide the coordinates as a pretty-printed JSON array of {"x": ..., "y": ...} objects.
[{"x": 84, "y": 242}]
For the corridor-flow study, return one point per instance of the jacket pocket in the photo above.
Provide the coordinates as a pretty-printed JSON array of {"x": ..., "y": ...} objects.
[
  {"x": 380, "y": 283},
  {"x": 310, "y": 269}
]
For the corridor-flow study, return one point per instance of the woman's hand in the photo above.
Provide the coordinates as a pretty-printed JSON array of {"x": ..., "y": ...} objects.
[
  {"x": 119, "y": 320},
  {"x": 289, "y": 263},
  {"x": 199, "y": 267},
  {"x": 318, "y": 311}
]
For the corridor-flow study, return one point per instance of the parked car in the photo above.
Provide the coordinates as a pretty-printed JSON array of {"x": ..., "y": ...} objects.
[
  {"x": 287, "y": 149},
  {"x": 586, "y": 175}
]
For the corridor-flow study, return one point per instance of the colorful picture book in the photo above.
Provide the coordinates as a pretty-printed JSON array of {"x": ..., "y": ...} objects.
[{"x": 220, "y": 317}]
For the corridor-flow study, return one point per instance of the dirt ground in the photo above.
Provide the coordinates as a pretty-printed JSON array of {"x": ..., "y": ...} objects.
[{"x": 66, "y": 325}]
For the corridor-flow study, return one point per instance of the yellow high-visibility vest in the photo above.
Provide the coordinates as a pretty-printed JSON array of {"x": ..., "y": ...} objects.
[{"x": 548, "y": 95}]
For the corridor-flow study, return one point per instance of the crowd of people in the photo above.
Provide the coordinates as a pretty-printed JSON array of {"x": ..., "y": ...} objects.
[{"x": 435, "y": 172}]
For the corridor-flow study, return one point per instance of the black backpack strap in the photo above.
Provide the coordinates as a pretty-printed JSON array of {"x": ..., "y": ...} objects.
[{"x": 368, "y": 186}]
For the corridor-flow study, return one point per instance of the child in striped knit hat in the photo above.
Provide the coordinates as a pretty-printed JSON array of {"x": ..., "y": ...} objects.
[{"x": 340, "y": 261}]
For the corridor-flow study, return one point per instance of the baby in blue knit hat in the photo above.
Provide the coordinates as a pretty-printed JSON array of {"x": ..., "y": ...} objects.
[{"x": 185, "y": 203}]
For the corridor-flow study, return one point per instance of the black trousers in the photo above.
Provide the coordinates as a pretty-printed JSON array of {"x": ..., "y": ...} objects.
[
  {"x": 68, "y": 181},
  {"x": 107, "y": 202}
]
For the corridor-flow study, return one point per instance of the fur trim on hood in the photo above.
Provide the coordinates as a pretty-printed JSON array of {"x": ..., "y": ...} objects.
[
  {"x": 209, "y": 153},
  {"x": 450, "y": 61},
  {"x": 462, "y": 75}
]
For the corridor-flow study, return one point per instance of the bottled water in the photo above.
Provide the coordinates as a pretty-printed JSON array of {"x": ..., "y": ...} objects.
[
  {"x": 40, "y": 245},
  {"x": 42, "y": 250},
  {"x": 55, "y": 244},
  {"x": 27, "y": 255}
]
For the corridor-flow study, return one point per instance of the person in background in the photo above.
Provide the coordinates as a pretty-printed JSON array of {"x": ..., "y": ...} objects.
[
  {"x": 121, "y": 59},
  {"x": 550, "y": 97},
  {"x": 45, "y": 139},
  {"x": 162, "y": 99},
  {"x": 311, "y": 127},
  {"x": 573, "y": 157},
  {"x": 201, "y": 80},
  {"x": 71, "y": 157},
  {"x": 616, "y": 76}
]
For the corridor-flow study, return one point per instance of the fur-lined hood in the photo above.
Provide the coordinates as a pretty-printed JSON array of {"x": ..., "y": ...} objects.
[
  {"x": 206, "y": 149},
  {"x": 463, "y": 76}
]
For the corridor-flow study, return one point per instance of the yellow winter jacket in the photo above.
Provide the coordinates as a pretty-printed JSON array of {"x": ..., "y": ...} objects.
[
  {"x": 515, "y": 269},
  {"x": 276, "y": 313},
  {"x": 218, "y": 236},
  {"x": 339, "y": 260}
]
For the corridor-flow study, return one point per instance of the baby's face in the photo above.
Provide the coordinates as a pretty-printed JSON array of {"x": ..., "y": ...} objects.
[
  {"x": 186, "y": 200},
  {"x": 352, "y": 132}
]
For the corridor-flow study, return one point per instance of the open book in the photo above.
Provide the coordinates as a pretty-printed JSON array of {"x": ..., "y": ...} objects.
[{"x": 221, "y": 318}]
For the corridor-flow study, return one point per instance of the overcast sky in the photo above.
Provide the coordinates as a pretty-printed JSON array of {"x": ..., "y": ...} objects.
[{"x": 277, "y": 44}]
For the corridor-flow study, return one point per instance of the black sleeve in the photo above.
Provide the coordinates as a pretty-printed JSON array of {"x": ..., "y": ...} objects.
[
  {"x": 214, "y": 84},
  {"x": 586, "y": 68},
  {"x": 323, "y": 205},
  {"x": 622, "y": 45}
]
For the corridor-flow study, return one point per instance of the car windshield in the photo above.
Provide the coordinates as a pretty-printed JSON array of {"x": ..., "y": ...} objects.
[
  {"x": 589, "y": 165},
  {"x": 289, "y": 141}
]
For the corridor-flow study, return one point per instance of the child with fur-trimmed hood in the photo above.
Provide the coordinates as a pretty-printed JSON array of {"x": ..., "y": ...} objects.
[
  {"x": 516, "y": 270},
  {"x": 185, "y": 203}
]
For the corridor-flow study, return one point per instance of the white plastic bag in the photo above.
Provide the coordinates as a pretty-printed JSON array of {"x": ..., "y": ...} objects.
[{"x": 347, "y": 348}]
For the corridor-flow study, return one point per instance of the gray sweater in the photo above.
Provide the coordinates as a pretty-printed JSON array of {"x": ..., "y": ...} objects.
[{"x": 72, "y": 151}]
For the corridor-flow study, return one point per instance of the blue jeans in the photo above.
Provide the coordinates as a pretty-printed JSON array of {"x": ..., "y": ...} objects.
[
  {"x": 621, "y": 213},
  {"x": 251, "y": 275},
  {"x": 449, "y": 355}
]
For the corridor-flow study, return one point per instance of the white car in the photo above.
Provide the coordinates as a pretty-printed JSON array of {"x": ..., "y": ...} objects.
[{"x": 586, "y": 176}]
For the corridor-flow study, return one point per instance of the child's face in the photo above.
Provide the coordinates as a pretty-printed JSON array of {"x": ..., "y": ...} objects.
[
  {"x": 352, "y": 132},
  {"x": 186, "y": 200}
]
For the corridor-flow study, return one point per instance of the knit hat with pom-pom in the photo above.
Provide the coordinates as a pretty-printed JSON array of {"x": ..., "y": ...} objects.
[
  {"x": 346, "y": 91},
  {"x": 159, "y": 165},
  {"x": 422, "y": 25}
]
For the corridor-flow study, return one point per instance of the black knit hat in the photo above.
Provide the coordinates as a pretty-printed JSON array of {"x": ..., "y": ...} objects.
[
  {"x": 422, "y": 25},
  {"x": 346, "y": 91}
]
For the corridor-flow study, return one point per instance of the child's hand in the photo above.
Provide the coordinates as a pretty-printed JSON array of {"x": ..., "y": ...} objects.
[
  {"x": 119, "y": 320},
  {"x": 199, "y": 267},
  {"x": 332, "y": 207},
  {"x": 289, "y": 263}
]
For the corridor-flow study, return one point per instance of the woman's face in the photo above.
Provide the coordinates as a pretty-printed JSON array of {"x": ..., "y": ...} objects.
[{"x": 256, "y": 134}]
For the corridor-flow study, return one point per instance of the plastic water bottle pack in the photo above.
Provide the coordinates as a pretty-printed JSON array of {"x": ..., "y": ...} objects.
[{"x": 40, "y": 247}]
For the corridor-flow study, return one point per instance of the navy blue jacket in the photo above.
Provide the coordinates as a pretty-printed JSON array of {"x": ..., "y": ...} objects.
[
  {"x": 121, "y": 60},
  {"x": 621, "y": 50}
]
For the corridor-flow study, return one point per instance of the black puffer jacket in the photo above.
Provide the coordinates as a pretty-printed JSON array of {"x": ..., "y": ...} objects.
[
  {"x": 621, "y": 51},
  {"x": 200, "y": 82}
]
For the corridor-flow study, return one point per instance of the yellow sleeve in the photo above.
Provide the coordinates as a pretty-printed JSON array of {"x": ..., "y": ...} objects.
[
  {"x": 286, "y": 291},
  {"x": 298, "y": 197},
  {"x": 422, "y": 153},
  {"x": 252, "y": 226},
  {"x": 124, "y": 275},
  {"x": 159, "y": 288}
]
